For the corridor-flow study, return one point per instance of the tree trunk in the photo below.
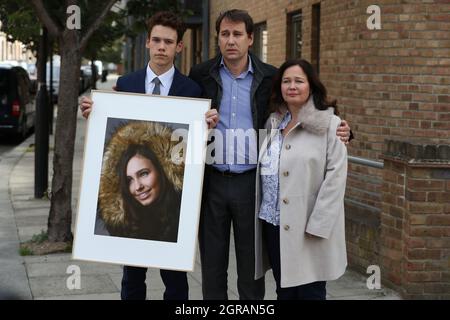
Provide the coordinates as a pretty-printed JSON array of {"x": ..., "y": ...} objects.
[
  {"x": 60, "y": 218},
  {"x": 71, "y": 47}
]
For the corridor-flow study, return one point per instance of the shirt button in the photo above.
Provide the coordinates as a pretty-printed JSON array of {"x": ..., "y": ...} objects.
[
  {"x": 286, "y": 173},
  {"x": 288, "y": 147},
  {"x": 286, "y": 227},
  {"x": 234, "y": 98},
  {"x": 234, "y": 114},
  {"x": 286, "y": 201}
]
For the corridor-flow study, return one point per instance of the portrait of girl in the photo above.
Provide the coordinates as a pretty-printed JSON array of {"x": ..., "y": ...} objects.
[{"x": 140, "y": 185}]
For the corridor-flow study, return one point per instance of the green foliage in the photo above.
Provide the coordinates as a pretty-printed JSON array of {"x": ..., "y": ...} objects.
[
  {"x": 112, "y": 53},
  {"x": 68, "y": 248},
  {"x": 105, "y": 36},
  {"x": 25, "y": 251},
  {"x": 142, "y": 10},
  {"x": 20, "y": 22},
  {"x": 40, "y": 237}
]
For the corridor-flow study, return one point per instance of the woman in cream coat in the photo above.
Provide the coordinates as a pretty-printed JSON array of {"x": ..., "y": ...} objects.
[{"x": 301, "y": 179}]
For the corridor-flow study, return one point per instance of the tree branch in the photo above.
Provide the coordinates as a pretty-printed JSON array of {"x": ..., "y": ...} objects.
[
  {"x": 45, "y": 18},
  {"x": 94, "y": 26}
]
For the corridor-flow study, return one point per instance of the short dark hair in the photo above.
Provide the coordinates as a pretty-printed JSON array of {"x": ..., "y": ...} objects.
[
  {"x": 167, "y": 19},
  {"x": 318, "y": 90},
  {"x": 236, "y": 15}
]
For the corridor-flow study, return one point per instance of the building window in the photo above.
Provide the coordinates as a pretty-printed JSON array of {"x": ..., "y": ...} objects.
[
  {"x": 294, "y": 34},
  {"x": 315, "y": 36},
  {"x": 259, "y": 47}
]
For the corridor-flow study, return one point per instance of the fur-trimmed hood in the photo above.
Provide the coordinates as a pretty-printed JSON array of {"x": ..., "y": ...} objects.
[
  {"x": 154, "y": 135},
  {"x": 311, "y": 119}
]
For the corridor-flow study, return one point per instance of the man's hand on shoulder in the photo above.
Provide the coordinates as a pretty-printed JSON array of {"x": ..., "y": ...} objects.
[{"x": 343, "y": 132}]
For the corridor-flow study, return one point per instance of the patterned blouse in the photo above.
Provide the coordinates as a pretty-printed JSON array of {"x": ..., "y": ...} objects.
[{"x": 269, "y": 170}]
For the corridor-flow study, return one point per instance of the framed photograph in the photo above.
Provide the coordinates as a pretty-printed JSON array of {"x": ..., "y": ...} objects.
[{"x": 142, "y": 179}]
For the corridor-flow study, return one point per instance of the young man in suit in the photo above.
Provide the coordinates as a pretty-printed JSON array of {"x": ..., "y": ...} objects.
[{"x": 164, "y": 41}]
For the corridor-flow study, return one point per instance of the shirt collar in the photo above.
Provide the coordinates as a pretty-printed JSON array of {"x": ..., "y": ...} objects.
[
  {"x": 285, "y": 121},
  {"x": 166, "y": 78},
  {"x": 243, "y": 74}
]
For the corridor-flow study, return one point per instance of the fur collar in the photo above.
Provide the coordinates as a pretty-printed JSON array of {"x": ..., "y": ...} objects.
[{"x": 311, "y": 119}]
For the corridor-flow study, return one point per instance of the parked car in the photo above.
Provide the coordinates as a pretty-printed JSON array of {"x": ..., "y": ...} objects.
[{"x": 17, "y": 102}]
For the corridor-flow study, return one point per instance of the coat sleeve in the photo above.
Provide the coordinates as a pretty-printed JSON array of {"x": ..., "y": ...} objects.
[
  {"x": 330, "y": 199},
  {"x": 119, "y": 84}
]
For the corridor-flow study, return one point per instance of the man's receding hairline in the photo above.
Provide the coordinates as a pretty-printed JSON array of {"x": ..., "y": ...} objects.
[{"x": 234, "y": 22}]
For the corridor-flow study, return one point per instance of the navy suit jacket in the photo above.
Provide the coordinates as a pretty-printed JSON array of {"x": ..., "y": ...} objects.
[{"x": 181, "y": 86}]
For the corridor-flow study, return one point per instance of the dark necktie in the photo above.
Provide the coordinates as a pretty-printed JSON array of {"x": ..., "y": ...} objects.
[{"x": 157, "y": 88}]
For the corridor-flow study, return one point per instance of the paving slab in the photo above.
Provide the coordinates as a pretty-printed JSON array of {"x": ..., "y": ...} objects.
[
  {"x": 32, "y": 220},
  {"x": 32, "y": 212},
  {"x": 26, "y": 233},
  {"x": 57, "y": 286},
  {"x": 95, "y": 296},
  {"x": 46, "y": 269},
  {"x": 13, "y": 276},
  {"x": 50, "y": 258}
]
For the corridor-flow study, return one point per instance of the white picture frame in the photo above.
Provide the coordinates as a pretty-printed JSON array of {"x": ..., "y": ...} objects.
[{"x": 129, "y": 109}]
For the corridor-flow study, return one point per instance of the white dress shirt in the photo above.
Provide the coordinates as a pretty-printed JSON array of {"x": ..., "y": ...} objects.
[{"x": 166, "y": 80}]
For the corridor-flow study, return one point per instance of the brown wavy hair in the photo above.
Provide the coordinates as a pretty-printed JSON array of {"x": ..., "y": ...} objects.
[{"x": 318, "y": 90}]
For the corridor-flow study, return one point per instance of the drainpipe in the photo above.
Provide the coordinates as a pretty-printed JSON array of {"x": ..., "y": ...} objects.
[{"x": 205, "y": 30}]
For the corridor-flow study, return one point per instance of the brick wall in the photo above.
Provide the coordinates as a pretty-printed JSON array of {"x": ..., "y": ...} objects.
[
  {"x": 392, "y": 83},
  {"x": 415, "y": 220}
]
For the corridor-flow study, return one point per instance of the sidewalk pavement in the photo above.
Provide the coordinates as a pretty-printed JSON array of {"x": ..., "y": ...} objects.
[{"x": 45, "y": 277}]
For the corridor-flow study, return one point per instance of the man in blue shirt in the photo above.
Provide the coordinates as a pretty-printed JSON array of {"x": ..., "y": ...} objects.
[{"x": 239, "y": 85}]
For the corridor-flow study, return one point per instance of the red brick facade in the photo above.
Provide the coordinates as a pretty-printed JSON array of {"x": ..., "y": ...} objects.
[
  {"x": 392, "y": 83},
  {"x": 415, "y": 220}
]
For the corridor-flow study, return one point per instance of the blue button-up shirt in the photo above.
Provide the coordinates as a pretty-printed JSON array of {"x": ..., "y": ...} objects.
[{"x": 239, "y": 143}]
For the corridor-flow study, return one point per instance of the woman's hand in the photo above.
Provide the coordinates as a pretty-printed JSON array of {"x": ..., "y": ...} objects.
[
  {"x": 86, "y": 106},
  {"x": 212, "y": 118},
  {"x": 343, "y": 132}
]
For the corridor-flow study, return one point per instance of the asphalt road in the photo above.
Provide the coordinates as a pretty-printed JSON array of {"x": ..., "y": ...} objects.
[{"x": 6, "y": 145}]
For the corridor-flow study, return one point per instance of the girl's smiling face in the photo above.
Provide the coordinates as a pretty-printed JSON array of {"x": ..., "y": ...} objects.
[{"x": 143, "y": 180}]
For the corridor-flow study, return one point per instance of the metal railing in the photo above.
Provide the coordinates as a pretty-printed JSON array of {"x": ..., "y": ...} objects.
[{"x": 366, "y": 162}]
